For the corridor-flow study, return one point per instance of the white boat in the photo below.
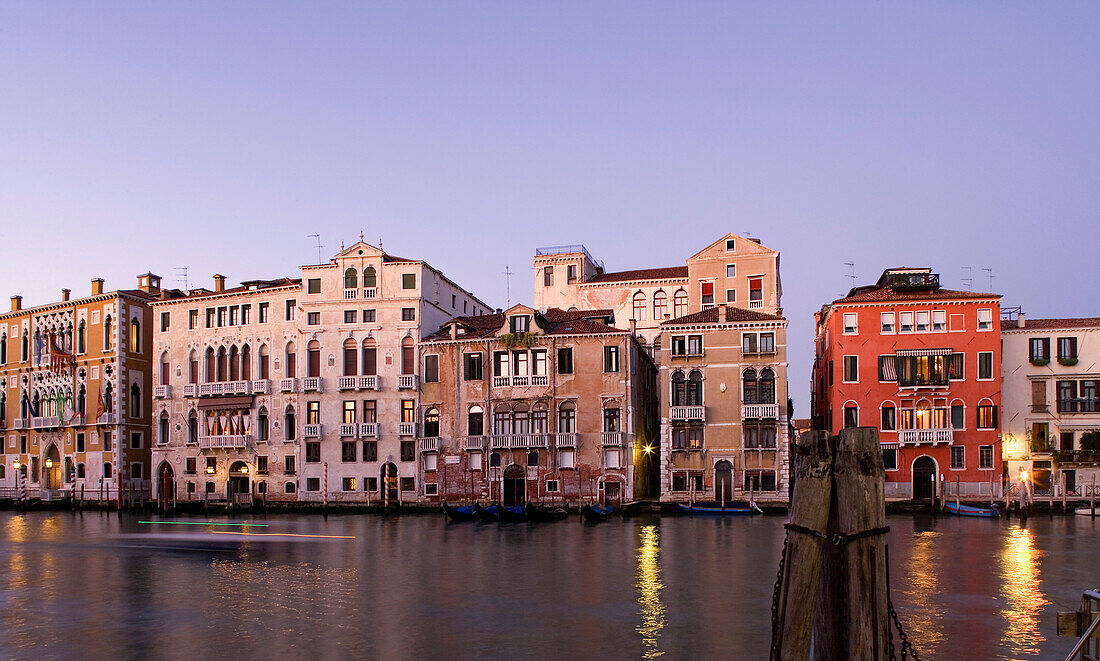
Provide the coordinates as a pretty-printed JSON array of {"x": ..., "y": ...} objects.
[{"x": 1087, "y": 511}]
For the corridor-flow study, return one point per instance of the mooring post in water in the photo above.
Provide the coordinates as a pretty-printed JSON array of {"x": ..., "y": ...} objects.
[
  {"x": 1092, "y": 498},
  {"x": 799, "y": 579}
]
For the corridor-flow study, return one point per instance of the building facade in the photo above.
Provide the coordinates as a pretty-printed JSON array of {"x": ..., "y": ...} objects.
[
  {"x": 724, "y": 408},
  {"x": 524, "y": 406},
  {"x": 303, "y": 389},
  {"x": 75, "y": 392},
  {"x": 1051, "y": 424},
  {"x": 923, "y": 365}
]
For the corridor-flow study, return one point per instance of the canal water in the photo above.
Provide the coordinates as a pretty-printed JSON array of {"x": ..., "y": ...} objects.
[{"x": 363, "y": 586}]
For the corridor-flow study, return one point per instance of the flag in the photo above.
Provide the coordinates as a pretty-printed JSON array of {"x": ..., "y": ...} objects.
[
  {"x": 38, "y": 349},
  {"x": 59, "y": 358},
  {"x": 102, "y": 405}
]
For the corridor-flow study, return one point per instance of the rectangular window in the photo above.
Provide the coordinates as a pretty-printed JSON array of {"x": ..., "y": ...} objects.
[
  {"x": 887, "y": 368},
  {"x": 905, "y": 322},
  {"x": 313, "y": 452},
  {"x": 611, "y": 359},
  {"x": 313, "y": 286},
  {"x": 370, "y": 484},
  {"x": 731, "y": 244},
  {"x": 210, "y": 312},
  {"x": 473, "y": 368},
  {"x": 695, "y": 345},
  {"x": 539, "y": 362},
  {"x": 370, "y": 411},
  {"x": 190, "y": 466},
  {"x": 313, "y": 484},
  {"x": 520, "y": 363},
  {"x": 107, "y": 447},
  {"x": 408, "y": 281},
  {"x": 890, "y": 458},
  {"x": 431, "y": 369},
  {"x": 476, "y": 461},
  {"x": 313, "y": 319},
  {"x": 288, "y": 464},
  {"x": 567, "y": 458},
  {"x": 408, "y": 314},
  {"x": 1038, "y": 396},
  {"x": 551, "y": 486},
  {"x": 756, "y": 292},
  {"x": 707, "y": 292},
  {"x": 985, "y": 319},
  {"x": 985, "y": 457},
  {"x": 135, "y": 440},
  {"x": 222, "y": 316},
  {"x": 565, "y": 360},
  {"x": 370, "y": 450},
  {"x": 501, "y": 363},
  {"x": 192, "y": 319},
  {"x": 850, "y": 327},
  {"x": 731, "y": 270},
  {"x": 987, "y": 416},
  {"x": 164, "y": 316},
  {"x": 547, "y": 276},
  {"x": 349, "y": 412},
  {"x": 851, "y": 369},
  {"x": 347, "y": 452},
  {"x": 80, "y": 442},
  {"x": 957, "y": 417},
  {"x": 348, "y": 483},
  {"x": 985, "y": 364},
  {"x": 958, "y": 457},
  {"x": 265, "y": 312},
  {"x": 956, "y": 368},
  {"x": 519, "y": 323},
  {"x": 939, "y": 321},
  {"x": 1067, "y": 348},
  {"x": 408, "y": 413},
  {"x": 291, "y": 305},
  {"x": 408, "y": 484},
  {"x": 731, "y": 295},
  {"x": 368, "y": 316},
  {"x": 313, "y": 413},
  {"x": 349, "y": 316},
  {"x": 1067, "y": 396},
  {"x": 261, "y": 464},
  {"x": 1039, "y": 350},
  {"x": 246, "y": 314},
  {"x": 408, "y": 450},
  {"x": 767, "y": 343},
  {"x": 678, "y": 345},
  {"x": 748, "y": 343},
  {"x": 887, "y": 321},
  {"x": 234, "y": 315},
  {"x": 571, "y": 273}
]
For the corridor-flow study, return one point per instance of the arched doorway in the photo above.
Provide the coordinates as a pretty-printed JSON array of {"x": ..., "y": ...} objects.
[
  {"x": 924, "y": 473},
  {"x": 166, "y": 484},
  {"x": 51, "y": 477},
  {"x": 515, "y": 485},
  {"x": 723, "y": 481},
  {"x": 388, "y": 475},
  {"x": 237, "y": 485}
]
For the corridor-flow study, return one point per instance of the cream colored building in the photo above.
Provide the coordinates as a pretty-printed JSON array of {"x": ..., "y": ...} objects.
[
  {"x": 1051, "y": 398},
  {"x": 303, "y": 389}
]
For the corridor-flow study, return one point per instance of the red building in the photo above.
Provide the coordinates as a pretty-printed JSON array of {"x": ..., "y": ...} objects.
[{"x": 923, "y": 364}]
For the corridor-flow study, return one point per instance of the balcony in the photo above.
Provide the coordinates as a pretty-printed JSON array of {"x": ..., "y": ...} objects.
[
  {"x": 190, "y": 390},
  {"x": 760, "y": 411},
  {"x": 76, "y": 421},
  {"x": 520, "y": 380},
  {"x": 238, "y": 441},
  {"x": 407, "y": 382},
  {"x": 238, "y": 387},
  {"x": 107, "y": 419},
  {"x": 347, "y": 383},
  {"x": 368, "y": 430},
  {"x": 162, "y": 392},
  {"x": 312, "y": 431},
  {"x": 429, "y": 444},
  {"x": 312, "y": 384},
  {"x": 565, "y": 440},
  {"x": 755, "y": 305},
  {"x": 369, "y": 382},
  {"x": 538, "y": 440},
  {"x": 1078, "y": 457},
  {"x": 349, "y": 429},
  {"x": 351, "y": 294},
  {"x": 613, "y": 438},
  {"x": 18, "y": 423},
  {"x": 370, "y": 293},
  {"x": 918, "y": 436},
  {"x": 540, "y": 380},
  {"x": 406, "y": 429},
  {"x": 473, "y": 443},
  {"x": 218, "y": 388},
  {"x": 686, "y": 413},
  {"x": 499, "y": 442},
  {"x": 501, "y": 381},
  {"x": 45, "y": 422},
  {"x": 1039, "y": 408},
  {"x": 261, "y": 386},
  {"x": 288, "y": 385}
]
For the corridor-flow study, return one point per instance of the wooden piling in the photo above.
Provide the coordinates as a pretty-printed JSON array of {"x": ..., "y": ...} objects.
[
  {"x": 1092, "y": 497},
  {"x": 857, "y": 623},
  {"x": 813, "y": 469}
]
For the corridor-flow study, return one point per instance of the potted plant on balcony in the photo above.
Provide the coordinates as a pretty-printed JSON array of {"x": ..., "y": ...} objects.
[
  {"x": 1067, "y": 362},
  {"x": 1039, "y": 361}
]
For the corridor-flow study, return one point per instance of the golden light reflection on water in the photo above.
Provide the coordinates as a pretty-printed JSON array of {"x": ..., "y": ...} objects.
[
  {"x": 1020, "y": 587},
  {"x": 924, "y": 621},
  {"x": 647, "y": 580}
]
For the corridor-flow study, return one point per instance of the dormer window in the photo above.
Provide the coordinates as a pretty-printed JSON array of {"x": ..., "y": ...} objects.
[
  {"x": 731, "y": 245},
  {"x": 519, "y": 323}
]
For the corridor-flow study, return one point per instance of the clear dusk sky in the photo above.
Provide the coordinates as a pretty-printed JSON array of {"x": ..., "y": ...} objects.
[{"x": 217, "y": 136}]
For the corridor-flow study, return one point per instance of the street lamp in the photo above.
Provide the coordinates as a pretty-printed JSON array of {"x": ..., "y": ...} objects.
[
  {"x": 209, "y": 470},
  {"x": 16, "y": 465},
  {"x": 49, "y": 463}
]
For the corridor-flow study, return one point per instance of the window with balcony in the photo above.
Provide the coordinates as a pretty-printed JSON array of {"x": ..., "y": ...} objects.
[
  {"x": 351, "y": 278},
  {"x": 758, "y": 390},
  {"x": 707, "y": 294},
  {"x": 349, "y": 412},
  {"x": 370, "y": 411},
  {"x": 921, "y": 370},
  {"x": 408, "y": 408},
  {"x": 475, "y": 421},
  {"x": 313, "y": 358},
  {"x": 539, "y": 363},
  {"x": 370, "y": 278},
  {"x": 369, "y": 357},
  {"x": 567, "y": 418},
  {"x": 520, "y": 363},
  {"x": 850, "y": 327},
  {"x": 887, "y": 322},
  {"x": 756, "y": 292},
  {"x": 313, "y": 413},
  {"x": 431, "y": 423}
]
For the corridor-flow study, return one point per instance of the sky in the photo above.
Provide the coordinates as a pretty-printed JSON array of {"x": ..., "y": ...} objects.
[{"x": 219, "y": 136}]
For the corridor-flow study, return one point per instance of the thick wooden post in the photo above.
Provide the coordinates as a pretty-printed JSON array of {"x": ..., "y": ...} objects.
[
  {"x": 810, "y": 505},
  {"x": 855, "y": 627}
]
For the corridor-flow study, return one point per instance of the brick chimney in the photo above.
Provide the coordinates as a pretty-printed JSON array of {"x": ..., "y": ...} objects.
[
  {"x": 722, "y": 314},
  {"x": 97, "y": 286},
  {"x": 219, "y": 282},
  {"x": 1020, "y": 320},
  {"x": 16, "y": 303},
  {"x": 65, "y": 294}
]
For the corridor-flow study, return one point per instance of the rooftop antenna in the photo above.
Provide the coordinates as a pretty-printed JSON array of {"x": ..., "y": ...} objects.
[
  {"x": 319, "y": 246},
  {"x": 181, "y": 274},
  {"x": 989, "y": 274},
  {"x": 508, "y": 273},
  {"x": 360, "y": 235},
  {"x": 851, "y": 273},
  {"x": 969, "y": 279}
]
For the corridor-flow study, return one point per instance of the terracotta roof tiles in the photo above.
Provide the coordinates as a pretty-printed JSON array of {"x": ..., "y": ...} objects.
[
  {"x": 666, "y": 273},
  {"x": 874, "y": 293},
  {"x": 733, "y": 315},
  {"x": 1042, "y": 324}
]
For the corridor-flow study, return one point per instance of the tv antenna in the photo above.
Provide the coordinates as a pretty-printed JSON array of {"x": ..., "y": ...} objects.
[
  {"x": 319, "y": 246},
  {"x": 181, "y": 274},
  {"x": 969, "y": 279},
  {"x": 508, "y": 273},
  {"x": 989, "y": 274},
  {"x": 851, "y": 273}
]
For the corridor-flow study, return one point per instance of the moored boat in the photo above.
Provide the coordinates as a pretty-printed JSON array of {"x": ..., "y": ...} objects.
[
  {"x": 1087, "y": 511},
  {"x": 512, "y": 513},
  {"x": 490, "y": 513},
  {"x": 460, "y": 512},
  {"x": 596, "y": 513},
  {"x": 970, "y": 510},
  {"x": 714, "y": 509},
  {"x": 546, "y": 513}
]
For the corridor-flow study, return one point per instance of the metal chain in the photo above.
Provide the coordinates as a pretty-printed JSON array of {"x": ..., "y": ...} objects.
[
  {"x": 907, "y": 649},
  {"x": 775, "y": 599}
]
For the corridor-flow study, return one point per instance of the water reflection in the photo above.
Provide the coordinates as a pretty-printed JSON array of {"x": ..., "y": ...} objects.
[
  {"x": 647, "y": 580},
  {"x": 925, "y": 620},
  {"x": 1020, "y": 570}
]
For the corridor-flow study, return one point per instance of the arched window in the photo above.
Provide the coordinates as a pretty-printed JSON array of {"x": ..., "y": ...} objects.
[
  {"x": 408, "y": 356},
  {"x": 211, "y": 368},
  {"x": 370, "y": 357},
  {"x": 82, "y": 400},
  {"x": 234, "y": 364},
  {"x": 679, "y": 303},
  {"x": 369, "y": 279},
  {"x": 135, "y": 401},
  {"x": 313, "y": 358},
  {"x": 222, "y": 372},
  {"x": 162, "y": 436},
  {"x": 351, "y": 356},
  {"x": 192, "y": 428},
  {"x": 290, "y": 367},
  {"x": 540, "y": 423},
  {"x": 567, "y": 418},
  {"x": 261, "y": 424},
  {"x": 521, "y": 419},
  {"x": 81, "y": 330},
  {"x": 533, "y": 458},
  {"x": 750, "y": 393},
  {"x": 475, "y": 421},
  {"x": 767, "y": 386},
  {"x": 695, "y": 388},
  {"x": 889, "y": 417},
  {"x": 660, "y": 306},
  {"x": 351, "y": 278},
  {"x": 679, "y": 389},
  {"x": 639, "y": 306},
  {"x": 431, "y": 423},
  {"x": 288, "y": 423},
  {"x": 135, "y": 335},
  {"x": 192, "y": 367},
  {"x": 264, "y": 366},
  {"x": 3, "y": 348},
  {"x": 494, "y": 460},
  {"x": 246, "y": 363},
  {"x": 165, "y": 369}
]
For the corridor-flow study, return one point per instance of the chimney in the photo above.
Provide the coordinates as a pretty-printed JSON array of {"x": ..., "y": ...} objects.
[
  {"x": 16, "y": 303},
  {"x": 65, "y": 294},
  {"x": 219, "y": 282},
  {"x": 722, "y": 314},
  {"x": 97, "y": 286},
  {"x": 1020, "y": 320},
  {"x": 633, "y": 326},
  {"x": 454, "y": 331}
]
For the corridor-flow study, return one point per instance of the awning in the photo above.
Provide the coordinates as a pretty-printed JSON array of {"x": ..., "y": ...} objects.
[
  {"x": 226, "y": 403},
  {"x": 922, "y": 352}
]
